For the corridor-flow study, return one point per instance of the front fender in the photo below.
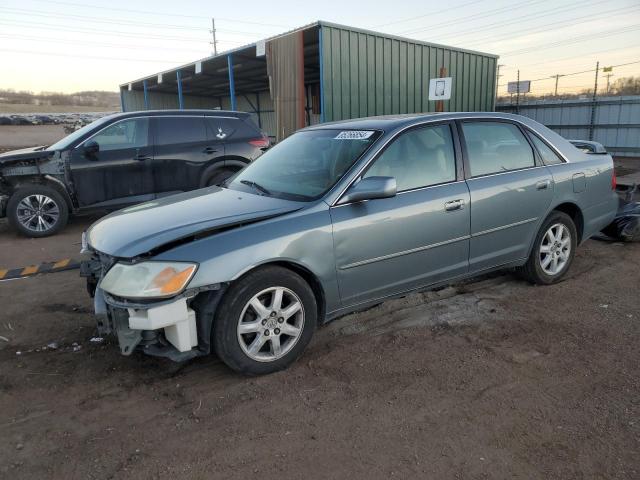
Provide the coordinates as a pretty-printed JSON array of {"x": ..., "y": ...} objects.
[{"x": 303, "y": 238}]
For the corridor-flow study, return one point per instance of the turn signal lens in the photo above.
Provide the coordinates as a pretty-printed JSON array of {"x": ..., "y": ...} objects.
[
  {"x": 171, "y": 281},
  {"x": 614, "y": 180}
]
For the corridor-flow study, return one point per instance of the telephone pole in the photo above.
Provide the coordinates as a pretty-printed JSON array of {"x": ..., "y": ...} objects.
[
  {"x": 608, "y": 75},
  {"x": 557, "y": 77},
  {"x": 593, "y": 103},
  {"x": 213, "y": 32}
]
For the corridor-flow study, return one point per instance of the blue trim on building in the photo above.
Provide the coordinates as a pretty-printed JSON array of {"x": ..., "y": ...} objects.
[
  {"x": 146, "y": 94},
  {"x": 321, "y": 75},
  {"x": 232, "y": 85},
  {"x": 180, "y": 98}
]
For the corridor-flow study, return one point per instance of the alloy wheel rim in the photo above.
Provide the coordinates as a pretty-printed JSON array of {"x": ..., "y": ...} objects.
[
  {"x": 555, "y": 249},
  {"x": 38, "y": 213},
  {"x": 270, "y": 324}
]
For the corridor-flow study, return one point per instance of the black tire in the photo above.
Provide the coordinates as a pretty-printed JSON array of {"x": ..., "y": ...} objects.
[
  {"x": 533, "y": 270},
  {"x": 14, "y": 208},
  {"x": 219, "y": 176},
  {"x": 225, "y": 329}
]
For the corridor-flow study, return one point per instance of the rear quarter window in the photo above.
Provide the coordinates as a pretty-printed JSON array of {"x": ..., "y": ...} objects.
[
  {"x": 229, "y": 129},
  {"x": 175, "y": 130}
]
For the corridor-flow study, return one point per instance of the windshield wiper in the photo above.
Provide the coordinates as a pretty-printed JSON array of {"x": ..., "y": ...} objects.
[{"x": 257, "y": 186}]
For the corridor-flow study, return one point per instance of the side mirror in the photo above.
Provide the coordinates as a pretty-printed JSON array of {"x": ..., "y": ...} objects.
[
  {"x": 370, "y": 188},
  {"x": 91, "y": 149}
]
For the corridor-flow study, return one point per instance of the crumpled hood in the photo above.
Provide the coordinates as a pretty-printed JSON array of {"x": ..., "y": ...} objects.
[
  {"x": 24, "y": 154},
  {"x": 136, "y": 230}
]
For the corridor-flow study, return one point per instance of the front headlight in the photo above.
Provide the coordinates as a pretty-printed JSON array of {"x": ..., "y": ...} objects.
[{"x": 148, "y": 279}]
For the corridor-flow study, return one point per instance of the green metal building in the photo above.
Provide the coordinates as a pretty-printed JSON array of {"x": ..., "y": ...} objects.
[{"x": 321, "y": 72}]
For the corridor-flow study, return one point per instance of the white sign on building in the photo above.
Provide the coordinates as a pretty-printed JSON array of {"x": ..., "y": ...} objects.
[
  {"x": 440, "y": 88},
  {"x": 261, "y": 48}
]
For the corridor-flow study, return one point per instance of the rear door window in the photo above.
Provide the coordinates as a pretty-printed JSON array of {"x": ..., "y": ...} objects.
[
  {"x": 495, "y": 147},
  {"x": 176, "y": 130}
]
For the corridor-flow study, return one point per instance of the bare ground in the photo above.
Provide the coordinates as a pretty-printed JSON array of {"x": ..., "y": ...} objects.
[{"x": 492, "y": 379}]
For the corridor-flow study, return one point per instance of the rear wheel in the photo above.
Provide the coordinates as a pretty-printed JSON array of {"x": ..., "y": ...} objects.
[
  {"x": 37, "y": 211},
  {"x": 265, "y": 321},
  {"x": 553, "y": 251}
]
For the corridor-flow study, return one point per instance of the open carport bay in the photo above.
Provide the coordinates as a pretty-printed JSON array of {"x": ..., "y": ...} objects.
[{"x": 491, "y": 379}]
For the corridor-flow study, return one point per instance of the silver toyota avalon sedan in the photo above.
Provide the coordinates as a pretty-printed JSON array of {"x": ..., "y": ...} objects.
[{"x": 336, "y": 218}]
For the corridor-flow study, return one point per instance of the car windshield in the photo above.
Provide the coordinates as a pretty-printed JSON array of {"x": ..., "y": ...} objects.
[
  {"x": 70, "y": 139},
  {"x": 306, "y": 165}
]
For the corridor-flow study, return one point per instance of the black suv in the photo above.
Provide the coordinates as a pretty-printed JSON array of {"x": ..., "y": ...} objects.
[{"x": 124, "y": 159}]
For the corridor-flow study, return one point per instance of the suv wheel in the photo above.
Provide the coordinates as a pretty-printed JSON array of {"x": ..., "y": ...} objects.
[
  {"x": 265, "y": 321},
  {"x": 553, "y": 250},
  {"x": 37, "y": 211}
]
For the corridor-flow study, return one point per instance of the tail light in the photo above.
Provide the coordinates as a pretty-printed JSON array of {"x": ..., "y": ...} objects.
[
  {"x": 262, "y": 143},
  {"x": 614, "y": 181}
]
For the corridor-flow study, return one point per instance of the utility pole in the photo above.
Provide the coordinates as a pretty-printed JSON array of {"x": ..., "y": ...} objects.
[
  {"x": 557, "y": 77},
  {"x": 213, "y": 32},
  {"x": 593, "y": 103},
  {"x": 518, "y": 94},
  {"x": 498, "y": 80}
]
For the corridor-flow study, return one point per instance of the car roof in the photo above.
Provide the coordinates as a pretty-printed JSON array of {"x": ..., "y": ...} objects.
[
  {"x": 179, "y": 113},
  {"x": 391, "y": 122}
]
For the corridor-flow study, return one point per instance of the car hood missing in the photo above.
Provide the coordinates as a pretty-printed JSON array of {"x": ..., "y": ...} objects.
[
  {"x": 137, "y": 230},
  {"x": 31, "y": 153}
]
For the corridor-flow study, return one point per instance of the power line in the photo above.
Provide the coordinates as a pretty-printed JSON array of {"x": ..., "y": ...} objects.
[
  {"x": 92, "y": 57},
  {"x": 88, "y": 42},
  {"x": 576, "y": 73},
  {"x": 430, "y": 15},
  {"x": 113, "y": 21},
  {"x": 476, "y": 16},
  {"x": 540, "y": 29},
  {"x": 150, "y": 12},
  {"x": 501, "y": 23},
  {"x": 116, "y": 33},
  {"x": 572, "y": 40}
]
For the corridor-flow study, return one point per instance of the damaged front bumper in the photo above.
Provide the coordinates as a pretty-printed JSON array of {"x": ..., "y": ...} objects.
[{"x": 178, "y": 328}]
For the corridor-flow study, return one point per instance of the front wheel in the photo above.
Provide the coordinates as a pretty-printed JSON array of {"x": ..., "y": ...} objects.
[
  {"x": 553, "y": 250},
  {"x": 265, "y": 321},
  {"x": 37, "y": 211}
]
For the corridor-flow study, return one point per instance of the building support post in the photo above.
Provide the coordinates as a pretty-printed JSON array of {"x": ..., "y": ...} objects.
[
  {"x": 232, "y": 85},
  {"x": 321, "y": 77},
  {"x": 146, "y": 94},
  {"x": 180, "y": 99}
]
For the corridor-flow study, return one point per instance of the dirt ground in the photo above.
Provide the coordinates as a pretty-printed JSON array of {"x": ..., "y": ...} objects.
[
  {"x": 492, "y": 379},
  {"x": 489, "y": 379},
  {"x": 22, "y": 136}
]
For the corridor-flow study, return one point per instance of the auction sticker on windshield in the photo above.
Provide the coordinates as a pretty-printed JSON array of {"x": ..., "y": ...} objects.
[{"x": 354, "y": 135}]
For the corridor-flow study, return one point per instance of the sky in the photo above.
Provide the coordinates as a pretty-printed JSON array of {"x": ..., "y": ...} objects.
[{"x": 75, "y": 45}]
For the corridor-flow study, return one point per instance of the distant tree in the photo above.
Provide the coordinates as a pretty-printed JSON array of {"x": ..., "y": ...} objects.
[{"x": 626, "y": 86}]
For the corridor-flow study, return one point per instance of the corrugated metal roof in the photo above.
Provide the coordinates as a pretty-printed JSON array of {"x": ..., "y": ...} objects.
[{"x": 302, "y": 28}]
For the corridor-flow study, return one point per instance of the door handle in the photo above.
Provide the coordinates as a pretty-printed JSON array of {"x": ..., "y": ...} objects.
[
  {"x": 454, "y": 205},
  {"x": 141, "y": 157},
  {"x": 543, "y": 185},
  {"x": 209, "y": 150}
]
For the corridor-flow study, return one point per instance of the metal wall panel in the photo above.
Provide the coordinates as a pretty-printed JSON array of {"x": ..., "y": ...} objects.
[
  {"x": 616, "y": 126},
  {"x": 365, "y": 73}
]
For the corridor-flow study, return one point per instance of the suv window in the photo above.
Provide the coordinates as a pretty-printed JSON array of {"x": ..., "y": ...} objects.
[
  {"x": 494, "y": 147},
  {"x": 549, "y": 157},
  {"x": 231, "y": 128},
  {"x": 131, "y": 133},
  {"x": 172, "y": 130},
  {"x": 418, "y": 158}
]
